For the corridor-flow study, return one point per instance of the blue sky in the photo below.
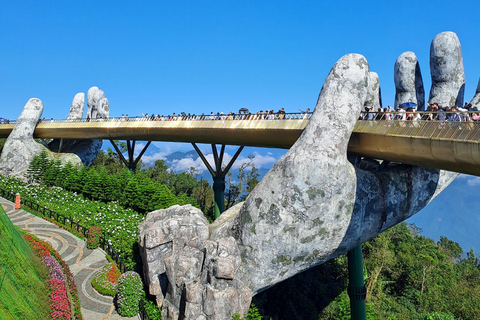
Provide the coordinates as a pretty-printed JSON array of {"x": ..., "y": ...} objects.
[{"x": 201, "y": 56}]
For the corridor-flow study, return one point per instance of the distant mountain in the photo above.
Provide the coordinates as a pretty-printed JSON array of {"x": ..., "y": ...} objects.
[{"x": 454, "y": 214}]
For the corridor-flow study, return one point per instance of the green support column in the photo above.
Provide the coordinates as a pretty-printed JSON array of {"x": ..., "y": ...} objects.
[
  {"x": 356, "y": 284},
  {"x": 219, "y": 194},
  {"x": 218, "y": 174}
]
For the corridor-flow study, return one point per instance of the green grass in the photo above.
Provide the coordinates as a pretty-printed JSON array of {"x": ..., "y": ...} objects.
[{"x": 22, "y": 293}]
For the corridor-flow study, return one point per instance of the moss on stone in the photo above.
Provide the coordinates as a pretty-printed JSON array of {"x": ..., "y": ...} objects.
[
  {"x": 307, "y": 239},
  {"x": 314, "y": 192},
  {"x": 323, "y": 233},
  {"x": 317, "y": 222},
  {"x": 284, "y": 260}
]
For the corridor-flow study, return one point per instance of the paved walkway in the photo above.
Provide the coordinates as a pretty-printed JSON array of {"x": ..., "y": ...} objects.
[{"x": 83, "y": 262}]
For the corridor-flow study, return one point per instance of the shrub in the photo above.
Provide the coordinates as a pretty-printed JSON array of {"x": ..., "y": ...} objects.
[
  {"x": 93, "y": 240},
  {"x": 152, "y": 310},
  {"x": 106, "y": 280},
  {"x": 129, "y": 293}
]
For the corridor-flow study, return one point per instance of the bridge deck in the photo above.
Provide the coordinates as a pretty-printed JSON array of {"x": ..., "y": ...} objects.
[{"x": 451, "y": 146}]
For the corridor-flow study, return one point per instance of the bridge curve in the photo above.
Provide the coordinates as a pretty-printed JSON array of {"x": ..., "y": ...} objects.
[{"x": 448, "y": 145}]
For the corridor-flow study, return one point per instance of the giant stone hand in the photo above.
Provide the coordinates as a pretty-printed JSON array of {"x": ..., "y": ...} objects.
[
  {"x": 20, "y": 147},
  {"x": 312, "y": 206}
]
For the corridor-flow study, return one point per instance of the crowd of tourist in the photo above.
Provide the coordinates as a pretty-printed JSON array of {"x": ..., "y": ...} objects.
[
  {"x": 243, "y": 114},
  {"x": 404, "y": 112},
  {"x": 433, "y": 112}
]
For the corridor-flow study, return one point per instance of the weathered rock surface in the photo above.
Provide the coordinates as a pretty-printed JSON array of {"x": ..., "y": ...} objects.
[
  {"x": 78, "y": 107},
  {"x": 190, "y": 274},
  {"x": 374, "y": 96},
  {"x": 313, "y": 205},
  {"x": 93, "y": 96},
  {"x": 20, "y": 148},
  {"x": 475, "y": 102},
  {"x": 446, "y": 67},
  {"x": 306, "y": 200},
  {"x": 98, "y": 108},
  {"x": 408, "y": 81}
]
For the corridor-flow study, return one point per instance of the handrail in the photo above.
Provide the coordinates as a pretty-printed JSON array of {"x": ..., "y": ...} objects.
[{"x": 364, "y": 115}]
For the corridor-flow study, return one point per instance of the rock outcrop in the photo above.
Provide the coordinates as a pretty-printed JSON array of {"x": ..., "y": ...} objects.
[
  {"x": 446, "y": 68},
  {"x": 408, "y": 81},
  {"x": 191, "y": 275},
  {"x": 312, "y": 206}
]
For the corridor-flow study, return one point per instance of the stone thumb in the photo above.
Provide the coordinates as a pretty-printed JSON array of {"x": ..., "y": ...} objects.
[
  {"x": 28, "y": 119},
  {"x": 339, "y": 103}
]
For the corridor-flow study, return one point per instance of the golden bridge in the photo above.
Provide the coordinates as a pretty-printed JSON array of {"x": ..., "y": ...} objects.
[{"x": 445, "y": 145}]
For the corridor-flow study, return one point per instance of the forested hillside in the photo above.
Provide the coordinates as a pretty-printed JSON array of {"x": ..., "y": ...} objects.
[{"x": 407, "y": 276}]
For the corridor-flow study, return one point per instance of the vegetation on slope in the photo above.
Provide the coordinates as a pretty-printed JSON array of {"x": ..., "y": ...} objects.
[
  {"x": 23, "y": 294},
  {"x": 407, "y": 276}
]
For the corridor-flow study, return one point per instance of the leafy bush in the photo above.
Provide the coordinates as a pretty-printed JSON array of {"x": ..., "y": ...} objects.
[
  {"x": 253, "y": 314},
  {"x": 93, "y": 240},
  {"x": 129, "y": 293},
  {"x": 152, "y": 310},
  {"x": 106, "y": 280}
]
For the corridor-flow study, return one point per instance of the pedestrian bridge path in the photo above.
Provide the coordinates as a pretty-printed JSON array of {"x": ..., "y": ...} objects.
[{"x": 448, "y": 145}]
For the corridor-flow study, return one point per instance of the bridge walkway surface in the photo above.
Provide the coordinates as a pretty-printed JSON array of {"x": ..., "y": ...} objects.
[{"x": 83, "y": 262}]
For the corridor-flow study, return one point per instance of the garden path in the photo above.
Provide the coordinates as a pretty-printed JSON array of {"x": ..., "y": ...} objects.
[{"x": 83, "y": 262}]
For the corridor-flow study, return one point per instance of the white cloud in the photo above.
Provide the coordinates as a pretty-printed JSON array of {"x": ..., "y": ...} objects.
[
  {"x": 187, "y": 163},
  {"x": 472, "y": 181}
]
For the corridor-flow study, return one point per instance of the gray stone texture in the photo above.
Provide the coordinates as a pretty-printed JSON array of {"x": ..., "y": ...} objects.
[
  {"x": 189, "y": 274},
  {"x": 475, "y": 102},
  {"x": 93, "y": 96},
  {"x": 20, "y": 147},
  {"x": 374, "y": 97},
  {"x": 78, "y": 107},
  {"x": 86, "y": 149},
  {"x": 299, "y": 212},
  {"x": 408, "y": 81},
  {"x": 446, "y": 67}
]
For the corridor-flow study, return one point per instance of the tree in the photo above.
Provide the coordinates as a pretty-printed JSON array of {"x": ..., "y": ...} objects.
[
  {"x": 247, "y": 180},
  {"x": 203, "y": 193}
]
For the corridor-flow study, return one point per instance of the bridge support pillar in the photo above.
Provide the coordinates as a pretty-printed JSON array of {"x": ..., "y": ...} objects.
[
  {"x": 132, "y": 161},
  {"x": 356, "y": 285},
  {"x": 218, "y": 174}
]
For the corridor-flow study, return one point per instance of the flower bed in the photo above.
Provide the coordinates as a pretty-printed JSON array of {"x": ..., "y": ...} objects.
[
  {"x": 60, "y": 279},
  {"x": 93, "y": 240},
  {"x": 106, "y": 280},
  {"x": 117, "y": 223}
]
